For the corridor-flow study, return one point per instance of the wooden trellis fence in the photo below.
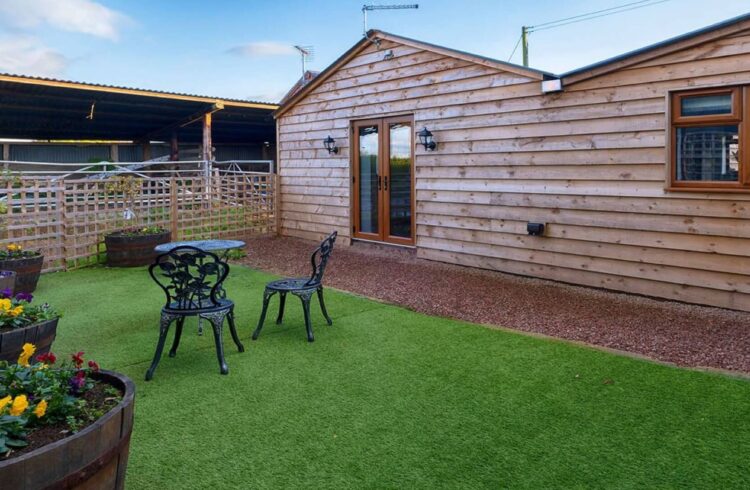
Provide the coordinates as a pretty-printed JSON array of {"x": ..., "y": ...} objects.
[{"x": 67, "y": 219}]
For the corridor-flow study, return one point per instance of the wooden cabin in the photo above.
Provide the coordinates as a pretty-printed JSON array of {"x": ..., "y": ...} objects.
[{"x": 636, "y": 166}]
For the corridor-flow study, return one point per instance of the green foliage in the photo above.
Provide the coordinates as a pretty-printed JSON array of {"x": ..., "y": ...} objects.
[{"x": 146, "y": 230}]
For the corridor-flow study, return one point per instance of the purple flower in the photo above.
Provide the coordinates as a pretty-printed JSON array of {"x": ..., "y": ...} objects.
[
  {"x": 77, "y": 384},
  {"x": 6, "y": 293},
  {"x": 24, "y": 297}
]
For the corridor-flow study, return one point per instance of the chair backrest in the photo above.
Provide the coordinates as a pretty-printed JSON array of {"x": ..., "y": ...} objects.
[
  {"x": 190, "y": 277},
  {"x": 320, "y": 258}
]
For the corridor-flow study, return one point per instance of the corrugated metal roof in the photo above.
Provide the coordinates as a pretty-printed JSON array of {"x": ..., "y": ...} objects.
[{"x": 145, "y": 92}]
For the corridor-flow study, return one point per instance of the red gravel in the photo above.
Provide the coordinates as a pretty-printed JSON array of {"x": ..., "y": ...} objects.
[{"x": 687, "y": 335}]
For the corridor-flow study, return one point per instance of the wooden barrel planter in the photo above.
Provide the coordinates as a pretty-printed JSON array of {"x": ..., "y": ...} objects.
[
  {"x": 8, "y": 281},
  {"x": 94, "y": 458},
  {"x": 128, "y": 250},
  {"x": 40, "y": 334},
  {"x": 27, "y": 272}
]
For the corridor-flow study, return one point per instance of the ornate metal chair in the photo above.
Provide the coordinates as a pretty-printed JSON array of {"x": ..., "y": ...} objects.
[
  {"x": 303, "y": 288},
  {"x": 192, "y": 280}
]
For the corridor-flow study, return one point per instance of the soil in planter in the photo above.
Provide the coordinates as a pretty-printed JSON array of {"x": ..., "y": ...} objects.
[{"x": 99, "y": 400}]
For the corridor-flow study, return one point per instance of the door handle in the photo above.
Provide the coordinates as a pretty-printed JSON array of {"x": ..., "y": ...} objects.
[
  {"x": 385, "y": 187},
  {"x": 379, "y": 181}
]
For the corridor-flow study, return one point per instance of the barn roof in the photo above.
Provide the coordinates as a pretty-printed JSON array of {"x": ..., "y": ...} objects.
[{"x": 51, "y": 109}]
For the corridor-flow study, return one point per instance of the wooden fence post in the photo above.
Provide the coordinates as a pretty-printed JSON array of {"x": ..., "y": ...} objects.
[
  {"x": 173, "y": 215},
  {"x": 10, "y": 209},
  {"x": 63, "y": 223}
]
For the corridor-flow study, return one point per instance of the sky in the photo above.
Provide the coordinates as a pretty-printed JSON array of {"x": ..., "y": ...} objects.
[{"x": 242, "y": 48}]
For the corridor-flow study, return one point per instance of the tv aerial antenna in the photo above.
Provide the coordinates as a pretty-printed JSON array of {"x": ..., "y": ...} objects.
[
  {"x": 369, "y": 8},
  {"x": 307, "y": 53}
]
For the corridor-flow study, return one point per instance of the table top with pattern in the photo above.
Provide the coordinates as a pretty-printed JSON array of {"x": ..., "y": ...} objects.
[{"x": 205, "y": 245}]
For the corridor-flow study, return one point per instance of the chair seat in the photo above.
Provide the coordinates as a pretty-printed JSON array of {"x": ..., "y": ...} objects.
[
  {"x": 198, "y": 307},
  {"x": 292, "y": 284}
]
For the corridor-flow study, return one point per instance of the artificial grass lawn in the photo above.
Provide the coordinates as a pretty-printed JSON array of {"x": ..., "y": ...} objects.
[{"x": 390, "y": 398}]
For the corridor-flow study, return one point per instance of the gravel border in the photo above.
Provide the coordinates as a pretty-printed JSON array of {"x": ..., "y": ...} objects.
[{"x": 679, "y": 333}]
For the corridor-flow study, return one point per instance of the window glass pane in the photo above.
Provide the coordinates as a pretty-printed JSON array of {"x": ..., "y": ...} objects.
[
  {"x": 400, "y": 186},
  {"x": 706, "y": 105},
  {"x": 368, "y": 179},
  {"x": 708, "y": 153}
]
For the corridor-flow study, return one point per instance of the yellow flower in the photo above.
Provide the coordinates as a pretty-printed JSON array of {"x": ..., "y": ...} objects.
[
  {"x": 4, "y": 402},
  {"x": 28, "y": 351},
  {"x": 20, "y": 404},
  {"x": 5, "y": 305},
  {"x": 16, "y": 311},
  {"x": 13, "y": 247},
  {"x": 41, "y": 409}
]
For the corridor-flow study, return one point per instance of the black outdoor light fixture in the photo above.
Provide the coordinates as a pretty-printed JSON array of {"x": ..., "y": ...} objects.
[
  {"x": 330, "y": 145},
  {"x": 425, "y": 139}
]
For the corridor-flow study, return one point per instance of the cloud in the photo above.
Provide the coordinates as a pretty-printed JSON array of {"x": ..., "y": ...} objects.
[
  {"x": 84, "y": 16},
  {"x": 29, "y": 56},
  {"x": 263, "y": 48}
]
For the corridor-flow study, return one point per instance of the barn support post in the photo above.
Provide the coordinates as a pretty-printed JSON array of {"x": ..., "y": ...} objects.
[
  {"x": 6, "y": 151},
  {"x": 174, "y": 148},
  {"x": 207, "y": 143},
  {"x": 114, "y": 152},
  {"x": 207, "y": 155},
  {"x": 146, "y": 149}
]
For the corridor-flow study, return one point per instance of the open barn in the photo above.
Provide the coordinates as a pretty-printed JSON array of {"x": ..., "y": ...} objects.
[
  {"x": 57, "y": 121},
  {"x": 630, "y": 174}
]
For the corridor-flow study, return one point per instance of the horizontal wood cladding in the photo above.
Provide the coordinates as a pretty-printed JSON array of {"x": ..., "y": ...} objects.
[{"x": 589, "y": 161}]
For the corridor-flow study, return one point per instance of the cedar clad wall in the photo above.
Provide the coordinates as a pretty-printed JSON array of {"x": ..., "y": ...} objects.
[{"x": 590, "y": 162}]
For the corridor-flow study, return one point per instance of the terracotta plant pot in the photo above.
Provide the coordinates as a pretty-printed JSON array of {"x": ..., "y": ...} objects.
[
  {"x": 95, "y": 457},
  {"x": 8, "y": 281},
  {"x": 40, "y": 334},
  {"x": 27, "y": 272},
  {"x": 125, "y": 250}
]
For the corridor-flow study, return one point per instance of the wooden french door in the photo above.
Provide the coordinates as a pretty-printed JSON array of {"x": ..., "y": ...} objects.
[{"x": 383, "y": 180}]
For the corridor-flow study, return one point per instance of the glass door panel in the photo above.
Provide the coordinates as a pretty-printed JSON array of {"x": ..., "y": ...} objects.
[
  {"x": 369, "y": 148},
  {"x": 382, "y": 180},
  {"x": 399, "y": 179}
]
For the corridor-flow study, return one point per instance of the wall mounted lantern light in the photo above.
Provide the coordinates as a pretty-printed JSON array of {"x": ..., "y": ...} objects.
[
  {"x": 425, "y": 139},
  {"x": 330, "y": 145}
]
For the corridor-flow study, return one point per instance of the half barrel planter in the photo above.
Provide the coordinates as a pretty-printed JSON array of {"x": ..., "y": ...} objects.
[
  {"x": 125, "y": 250},
  {"x": 94, "y": 458},
  {"x": 41, "y": 334},
  {"x": 27, "y": 272}
]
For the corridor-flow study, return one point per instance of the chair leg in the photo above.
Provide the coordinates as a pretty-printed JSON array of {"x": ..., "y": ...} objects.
[
  {"x": 164, "y": 323},
  {"x": 266, "y": 298},
  {"x": 282, "y": 302},
  {"x": 177, "y": 335},
  {"x": 233, "y": 331},
  {"x": 217, "y": 322},
  {"x": 323, "y": 306},
  {"x": 306, "y": 308}
]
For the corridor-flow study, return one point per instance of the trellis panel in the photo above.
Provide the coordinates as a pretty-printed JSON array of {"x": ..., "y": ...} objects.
[{"x": 67, "y": 219}]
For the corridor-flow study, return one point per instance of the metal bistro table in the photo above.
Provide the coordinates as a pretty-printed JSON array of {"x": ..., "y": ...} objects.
[{"x": 224, "y": 246}]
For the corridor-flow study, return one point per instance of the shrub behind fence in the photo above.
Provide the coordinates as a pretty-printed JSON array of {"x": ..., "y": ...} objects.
[{"x": 67, "y": 219}]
